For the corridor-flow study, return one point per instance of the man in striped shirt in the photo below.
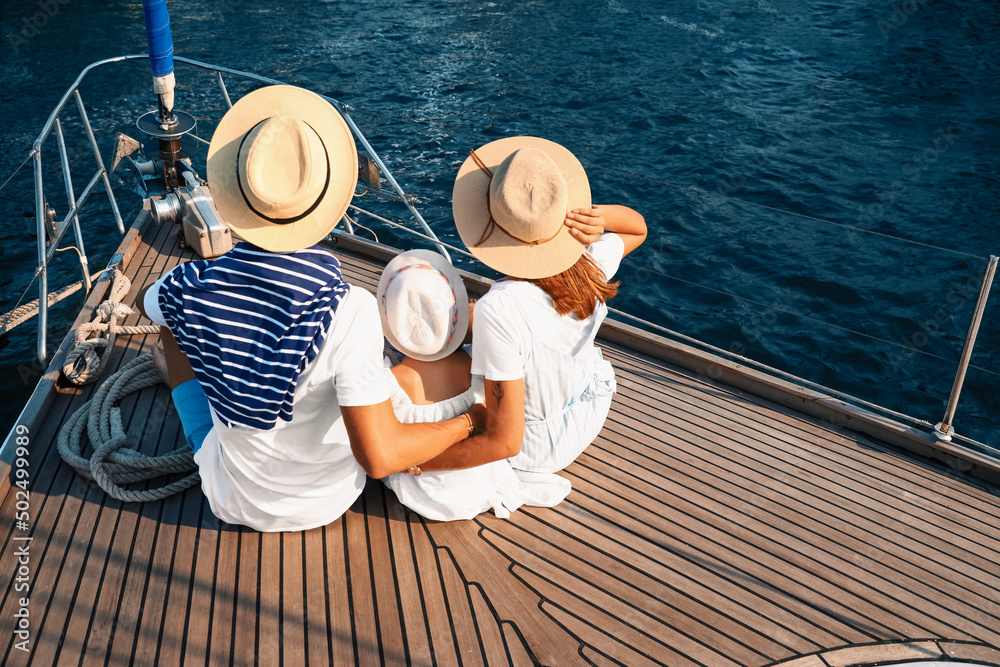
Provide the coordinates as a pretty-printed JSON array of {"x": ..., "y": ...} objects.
[{"x": 274, "y": 361}]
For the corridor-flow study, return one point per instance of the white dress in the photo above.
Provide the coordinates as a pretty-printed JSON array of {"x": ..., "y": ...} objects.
[
  {"x": 462, "y": 494},
  {"x": 568, "y": 385}
]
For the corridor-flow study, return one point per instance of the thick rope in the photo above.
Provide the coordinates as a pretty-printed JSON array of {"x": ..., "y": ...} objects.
[
  {"x": 22, "y": 314},
  {"x": 113, "y": 462},
  {"x": 94, "y": 340}
]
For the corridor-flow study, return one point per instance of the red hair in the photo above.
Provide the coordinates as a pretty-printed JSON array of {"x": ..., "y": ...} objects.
[{"x": 579, "y": 288}]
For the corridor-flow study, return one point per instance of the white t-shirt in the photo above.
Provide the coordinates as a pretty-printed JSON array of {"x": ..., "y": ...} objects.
[
  {"x": 517, "y": 334},
  {"x": 501, "y": 330},
  {"x": 302, "y": 473}
]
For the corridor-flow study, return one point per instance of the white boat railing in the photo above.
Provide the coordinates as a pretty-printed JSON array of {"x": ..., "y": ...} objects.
[{"x": 50, "y": 233}]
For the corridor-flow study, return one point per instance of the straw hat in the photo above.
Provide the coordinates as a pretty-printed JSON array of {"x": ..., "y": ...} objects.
[
  {"x": 423, "y": 304},
  {"x": 282, "y": 167},
  {"x": 510, "y": 201}
]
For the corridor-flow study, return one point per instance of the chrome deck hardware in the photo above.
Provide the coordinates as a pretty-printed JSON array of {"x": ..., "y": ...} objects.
[
  {"x": 944, "y": 430},
  {"x": 192, "y": 206}
]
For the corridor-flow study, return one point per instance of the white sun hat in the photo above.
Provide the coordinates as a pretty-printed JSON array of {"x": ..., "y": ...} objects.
[{"x": 423, "y": 304}]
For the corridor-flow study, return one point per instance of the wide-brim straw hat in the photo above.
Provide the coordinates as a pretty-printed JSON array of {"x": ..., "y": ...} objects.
[
  {"x": 510, "y": 202},
  {"x": 423, "y": 305},
  {"x": 282, "y": 167}
]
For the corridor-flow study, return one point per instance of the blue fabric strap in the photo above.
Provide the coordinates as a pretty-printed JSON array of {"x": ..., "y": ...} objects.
[
  {"x": 250, "y": 322},
  {"x": 192, "y": 408},
  {"x": 161, "y": 44}
]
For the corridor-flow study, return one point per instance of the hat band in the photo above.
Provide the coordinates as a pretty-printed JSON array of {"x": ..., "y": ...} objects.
[
  {"x": 454, "y": 298},
  {"x": 319, "y": 198},
  {"x": 493, "y": 224}
]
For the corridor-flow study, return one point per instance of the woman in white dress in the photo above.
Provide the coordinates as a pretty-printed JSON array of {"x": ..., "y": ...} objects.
[{"x": 522, "y": 206}]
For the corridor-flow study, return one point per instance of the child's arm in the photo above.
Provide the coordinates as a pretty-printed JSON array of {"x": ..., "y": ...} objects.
[{"x": 587, "y": 224}]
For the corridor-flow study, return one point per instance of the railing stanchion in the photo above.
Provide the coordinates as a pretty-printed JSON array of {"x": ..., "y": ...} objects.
[
  {"x": 100, "y": 161},
  {"x": 71, "y": 197},
  {"x": 392, "y": 181},
  {"x": 944, "y": 429},
  {"x": 43, "y": 283},
  {"x": 222, "y": 87}
]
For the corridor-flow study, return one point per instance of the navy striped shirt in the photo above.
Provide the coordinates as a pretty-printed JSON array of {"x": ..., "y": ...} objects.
[{"x": 250, "y": 322}]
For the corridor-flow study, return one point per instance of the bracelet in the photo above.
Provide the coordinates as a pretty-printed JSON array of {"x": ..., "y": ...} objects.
[{"x": 472, "y": 424}]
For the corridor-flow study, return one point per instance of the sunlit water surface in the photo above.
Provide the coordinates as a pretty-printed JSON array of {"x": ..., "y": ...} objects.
[{"x": 741, "y": 129}]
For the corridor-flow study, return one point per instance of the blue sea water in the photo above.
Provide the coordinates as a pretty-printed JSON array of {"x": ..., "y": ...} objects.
[{"x": 779, "y": 150}]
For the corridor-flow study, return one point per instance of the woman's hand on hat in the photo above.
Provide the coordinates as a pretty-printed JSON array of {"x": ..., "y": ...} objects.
[{"x": 586, "y": 224}]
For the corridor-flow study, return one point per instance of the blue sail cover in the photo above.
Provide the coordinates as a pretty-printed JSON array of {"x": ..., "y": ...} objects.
[{"x": 161, "y": 45}]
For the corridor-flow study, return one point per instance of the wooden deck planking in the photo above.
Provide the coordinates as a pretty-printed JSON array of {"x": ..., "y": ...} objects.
[
  {"x": 773, "y": 533},
  {"x": 651, "y": 600},
  {"x": 339, "y": 612},
  {"x": 701, "y": 538},
  {"x": 196, "y": 605},
  {"x": 223, "y": 630},
  {"x": 837, "y": 475},
  {"x": 873, "y": 593},
  {"x": 71, "y": 485},
  {"x": 290, "y": 573},
  {"x": 750, "y": 486},
  {"x": 878, "y": 524},
  {"x": 384, "y": 583},
  {"x": 178, "y": 603},
  {"x": 431, "y": 600},
  {"x": 988, "y": 621},
  {"x": 412, "y": 602},
  {"x": 928, "y": 476},
  {"x": 631, "y": 558},
  {"x": 125, "y": 563},
  {"x": 317, "y": 629},
  {"x": 617, "y": 614},
  {"x": 473, "y": 552},
  {"x": 362, "y": 595}
]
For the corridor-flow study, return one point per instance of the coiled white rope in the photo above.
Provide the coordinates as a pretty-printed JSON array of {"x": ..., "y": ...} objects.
[{"x": 113, "y": 463}]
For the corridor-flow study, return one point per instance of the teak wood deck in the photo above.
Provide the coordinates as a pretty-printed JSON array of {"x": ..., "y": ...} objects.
[{"x": 706, "y": 526}]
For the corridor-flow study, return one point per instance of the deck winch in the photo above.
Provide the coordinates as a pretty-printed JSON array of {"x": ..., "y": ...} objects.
[{"x": 192, "y": 205}]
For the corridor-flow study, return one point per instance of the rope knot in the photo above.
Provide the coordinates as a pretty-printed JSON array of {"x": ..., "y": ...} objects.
[{"x": 95, "y": 339}]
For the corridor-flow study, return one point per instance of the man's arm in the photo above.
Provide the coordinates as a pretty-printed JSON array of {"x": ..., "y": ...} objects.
[
  {"x": 140, "y": 301},
  {"x": 384, "y": 446}
]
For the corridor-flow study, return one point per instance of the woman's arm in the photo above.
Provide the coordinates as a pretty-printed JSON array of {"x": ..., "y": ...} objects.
[
  {"x": 503, "y": 435},
  {"x": 587, "y": 224},
  {"x": 384, "y": 446}
]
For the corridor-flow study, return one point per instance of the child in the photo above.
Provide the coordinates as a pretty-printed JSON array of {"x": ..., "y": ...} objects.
[{"x": 423, "y": 304}]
